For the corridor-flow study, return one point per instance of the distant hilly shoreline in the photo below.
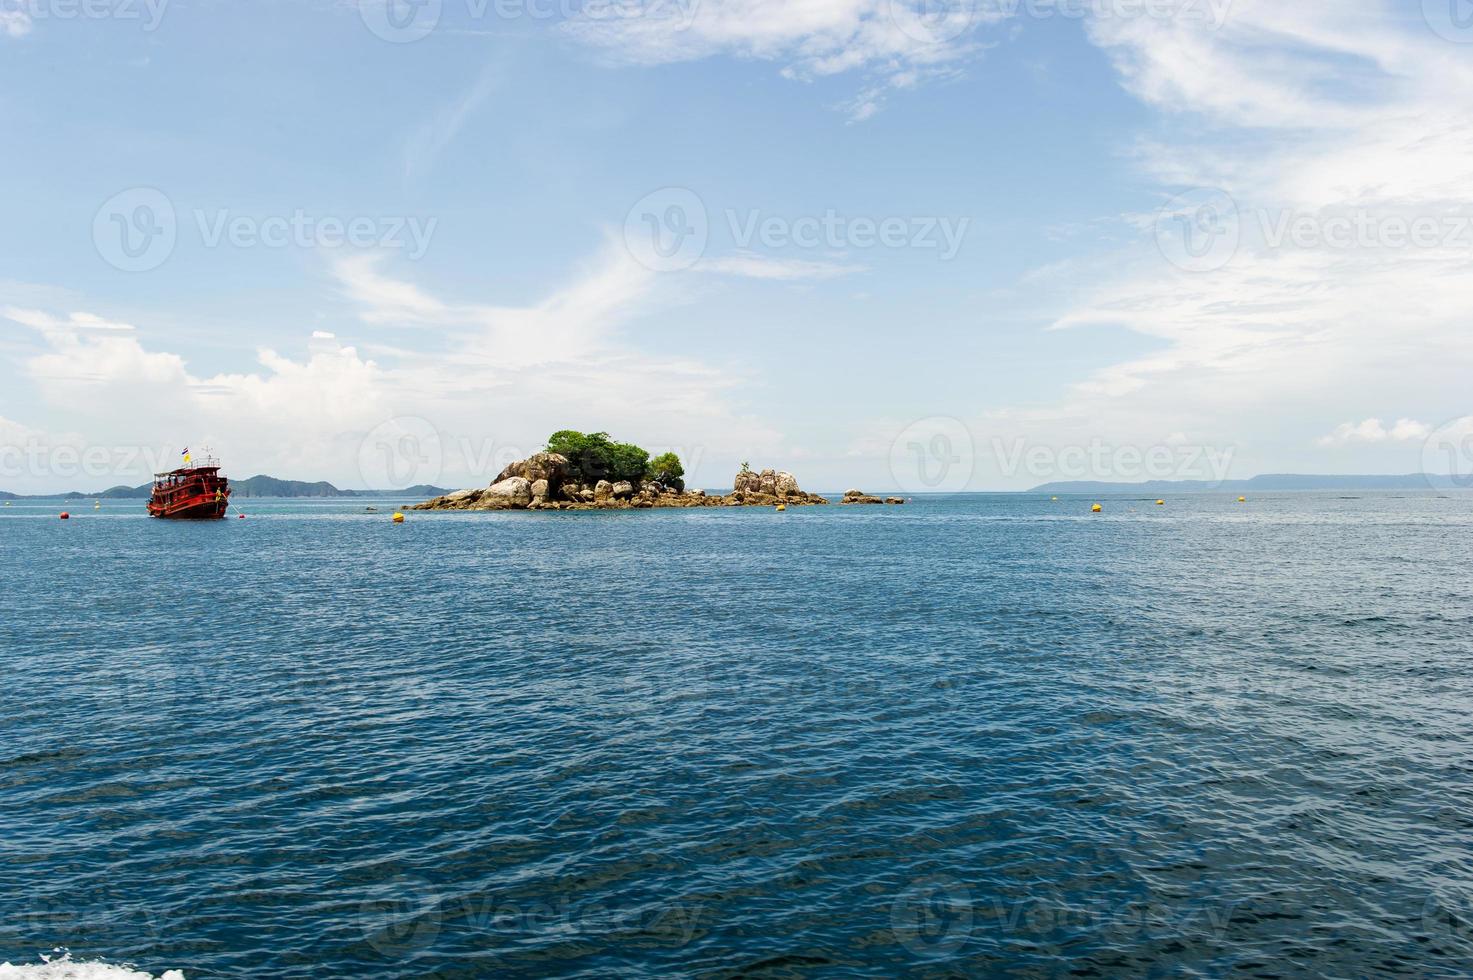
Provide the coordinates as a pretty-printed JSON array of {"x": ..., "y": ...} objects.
[
  {"x": 256, "y": 486},
  {"x": 1265, "y": 483},
  {"x": 269, "y": 486}
]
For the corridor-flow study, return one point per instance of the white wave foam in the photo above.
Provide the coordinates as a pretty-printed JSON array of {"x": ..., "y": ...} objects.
[{"x": 63, "y": 967}]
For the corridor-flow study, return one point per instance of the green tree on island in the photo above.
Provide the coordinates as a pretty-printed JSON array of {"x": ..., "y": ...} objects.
[
  {"x": 594, "y": 456},
  {"x": 666, "y": 470}
]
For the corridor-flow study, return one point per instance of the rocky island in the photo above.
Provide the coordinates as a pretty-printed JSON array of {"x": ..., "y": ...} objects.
[
  {"x": 860, "y": 497},
  {"x": 580, "y": 471}
]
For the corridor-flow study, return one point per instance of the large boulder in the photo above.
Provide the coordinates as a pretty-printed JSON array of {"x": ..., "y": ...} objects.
[
  {"x": 603, "y": 490},
  {"x": 513, "y": 492},
  {"x": 766, "y": 482},
  {"x": 622, "y": 490},
  {"x": 551, "y": 467},
  {"x": 859, "y": 497},
  {"x": 770, "y": 483},
  {"x": 539, "y": 491}
]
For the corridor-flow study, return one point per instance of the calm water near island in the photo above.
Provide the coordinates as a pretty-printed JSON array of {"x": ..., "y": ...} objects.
[{"x": 984, "y": 734}]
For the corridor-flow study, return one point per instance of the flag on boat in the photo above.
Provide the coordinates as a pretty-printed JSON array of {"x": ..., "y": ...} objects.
[{"x": 185, "y": 454}]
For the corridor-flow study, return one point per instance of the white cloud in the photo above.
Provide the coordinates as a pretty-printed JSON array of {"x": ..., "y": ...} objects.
[
  {"x": 896, "y": 43},
  {"x": 15, "y": 23},
  {"x": 576, "y": 320},
  {"x": 132, "y": 401},
  {"x": 507, "y": 376},
  {"x": 753, "y": 266},
  {"x": 1372, "y": 430},
  {"x": 385, "y": 300},
  {"x": 491, "y": 380},
  {"x": 1408, "y": 430},
  {"x": 1312, "y": 113}
]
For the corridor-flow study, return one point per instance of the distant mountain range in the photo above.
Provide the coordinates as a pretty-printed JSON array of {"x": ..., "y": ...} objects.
[
  {"x": 270, "y": 486},
  {"x": 1266, "y": 482},
  {"x": 256, "y": 486}
]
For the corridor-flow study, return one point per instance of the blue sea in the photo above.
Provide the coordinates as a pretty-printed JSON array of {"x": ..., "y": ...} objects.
[{"x": 985, "y": 735}]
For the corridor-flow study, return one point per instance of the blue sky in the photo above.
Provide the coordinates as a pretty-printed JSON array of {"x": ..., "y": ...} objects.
[{"x": 1029, "y": 317}]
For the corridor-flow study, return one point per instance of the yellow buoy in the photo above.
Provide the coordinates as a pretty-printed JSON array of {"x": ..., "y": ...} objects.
[
  {"x": 1053, "y": 498},
  {"x": 782, "y": 506},
  {"x": 1096, "y": 509},
  {"x": 1242, "y": 500},
  {"x": 398, "y": 517},
  {"x": 1160, "y": 503}
]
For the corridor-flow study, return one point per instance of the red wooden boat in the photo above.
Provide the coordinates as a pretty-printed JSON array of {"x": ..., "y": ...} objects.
[{"x": 195, "y": 491}]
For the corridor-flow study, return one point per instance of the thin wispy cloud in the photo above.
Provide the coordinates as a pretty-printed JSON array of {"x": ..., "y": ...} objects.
[
  {"x": 751, "y": 265},
  {"x": 894, "y": 44},
  {"x": 436, "y": 132}
]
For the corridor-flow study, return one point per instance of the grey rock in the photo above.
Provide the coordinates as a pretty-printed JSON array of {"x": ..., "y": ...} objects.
[{"x": 512, "y": 492}]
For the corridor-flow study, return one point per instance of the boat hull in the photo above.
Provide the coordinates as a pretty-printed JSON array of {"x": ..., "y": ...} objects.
[
  {"x": 190, "y": 494},
  {"x": 200, "y": 509}
]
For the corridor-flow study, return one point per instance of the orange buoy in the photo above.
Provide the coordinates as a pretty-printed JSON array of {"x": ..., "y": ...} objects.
[
  {"x": 241, "y": 516},
  {"x": 65, "y": 516}
]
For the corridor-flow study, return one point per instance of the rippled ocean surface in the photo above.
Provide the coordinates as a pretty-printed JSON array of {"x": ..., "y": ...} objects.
[{"x": 985, "y": 735}]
